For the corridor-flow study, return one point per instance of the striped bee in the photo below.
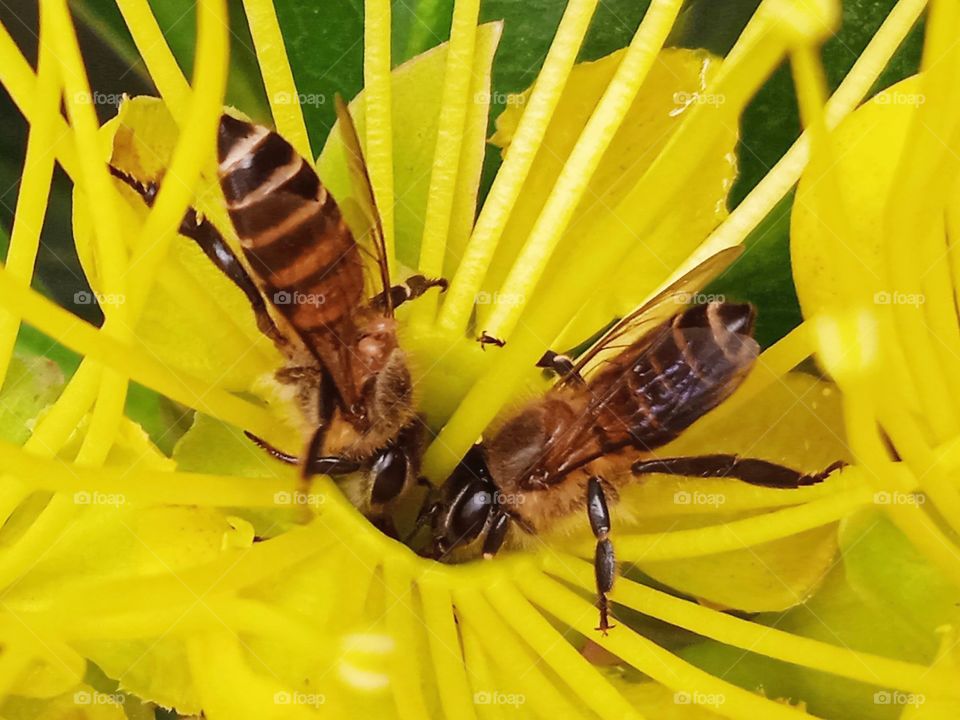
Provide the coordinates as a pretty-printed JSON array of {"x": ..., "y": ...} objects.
[
  {"x": 566, "y": 455},
  {"x": 307, "y": 286}
]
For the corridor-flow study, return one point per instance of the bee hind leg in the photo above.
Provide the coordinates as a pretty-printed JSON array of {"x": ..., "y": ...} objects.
[
  {"x": 748, "y": 470},
  {"x": 604, "y": 560}
]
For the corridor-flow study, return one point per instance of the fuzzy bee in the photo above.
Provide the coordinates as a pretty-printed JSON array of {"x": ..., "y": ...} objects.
[
  {"x": 305, "y": 279},
  {"x": 567, "y": 455}
]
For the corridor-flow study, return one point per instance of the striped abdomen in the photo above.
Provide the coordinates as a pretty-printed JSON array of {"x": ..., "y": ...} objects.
[{"x": 291, "y": 230}]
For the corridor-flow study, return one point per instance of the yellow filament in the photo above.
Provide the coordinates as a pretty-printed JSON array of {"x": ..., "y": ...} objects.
[
  {"x": 784, "y": 175},
  {"x": 152, "y": 46},
  {"x": 643, "y": 654},
  {"x": 20, "y": 82},
  {"x": 584, "y": 679},
  {"x": 33, "y": 194},
  {"x": 448, "y": 662},
  {"x": 85, "y": 339},
  {"x": 401, "y": 622},
  {"x": 737, "y": 632},
  {"x": 739, "y": 534},
  {"x": 446, "y": 160},
  {"x": 577, "y": 172},
  {"x": 379, "y": 108},
  {"x": 506, "y": 187},
  {"x": 277, "y": 75}
]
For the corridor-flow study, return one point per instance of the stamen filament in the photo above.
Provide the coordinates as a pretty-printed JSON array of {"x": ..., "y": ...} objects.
[{"x": 505, "y": 191}]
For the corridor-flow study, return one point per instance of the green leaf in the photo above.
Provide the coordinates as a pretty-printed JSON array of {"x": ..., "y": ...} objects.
[{"x": 32, "y": 384}]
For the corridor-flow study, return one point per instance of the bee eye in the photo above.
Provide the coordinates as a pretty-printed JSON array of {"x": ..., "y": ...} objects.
[
  {"x": 470, "y": 514},
  {"x": 389, "y": 476}
]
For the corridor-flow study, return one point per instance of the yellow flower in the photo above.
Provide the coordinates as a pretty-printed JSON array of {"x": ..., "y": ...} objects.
[{"x": 131, "y": 579}]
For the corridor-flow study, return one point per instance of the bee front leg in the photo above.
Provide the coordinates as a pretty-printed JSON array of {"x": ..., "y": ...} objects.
[
  {"x": 604, "y": 561},
  {"x": 410, "y": 289},
  {"x": 211, "y": 242}
]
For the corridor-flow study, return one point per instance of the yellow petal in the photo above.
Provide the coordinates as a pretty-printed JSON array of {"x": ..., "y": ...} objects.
[
  {"x": 864, "y": 144},
  {"x": 796, "y": 422}
]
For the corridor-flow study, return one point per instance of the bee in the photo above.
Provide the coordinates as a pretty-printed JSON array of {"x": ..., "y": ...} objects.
[
  {"x": 307, "y": 287},
  {"x": 569, "y": 453}
]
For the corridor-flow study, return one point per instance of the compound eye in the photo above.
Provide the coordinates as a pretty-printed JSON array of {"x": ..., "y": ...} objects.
[
  {"x": 389, "y": 476},
  {"x": 471, "y": 512}
]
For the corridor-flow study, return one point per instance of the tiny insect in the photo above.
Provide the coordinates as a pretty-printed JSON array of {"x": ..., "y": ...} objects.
[
  {"x": 567, "y": 455},
  {"x": 307, "y": 287}
]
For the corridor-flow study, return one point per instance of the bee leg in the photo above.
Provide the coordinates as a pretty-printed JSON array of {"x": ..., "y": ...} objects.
[
  {"x": 410, "y": 289},
  {"x": 604, "y": 561},
  {"x": 749, "y": 470},
  {"x": 561, "y": 365},
  {"x": 274, "y": 452},
  {"x": 211, "y": 242},
  {"x": 485, "y": 339}
]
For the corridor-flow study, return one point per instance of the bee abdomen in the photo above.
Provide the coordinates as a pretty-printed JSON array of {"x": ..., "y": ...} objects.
[
  {"x": 291, "y": 229},
  {"x": 689, "y": 367}
]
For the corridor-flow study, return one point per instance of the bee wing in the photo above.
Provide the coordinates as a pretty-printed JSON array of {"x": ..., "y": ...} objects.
[
  {"x": 657, "y": 386},
  {"x": 363, "y": 189},
  {"x": 653, "y": 312}
]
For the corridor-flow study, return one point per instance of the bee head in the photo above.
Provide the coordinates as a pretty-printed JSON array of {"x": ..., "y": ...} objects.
[{"x": 460, "y": 511}]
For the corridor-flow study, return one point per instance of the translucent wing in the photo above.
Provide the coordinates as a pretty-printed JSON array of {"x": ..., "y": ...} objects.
[
  {"x": 363, "y": 191},
  {"x": 667, "y": 303}
]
